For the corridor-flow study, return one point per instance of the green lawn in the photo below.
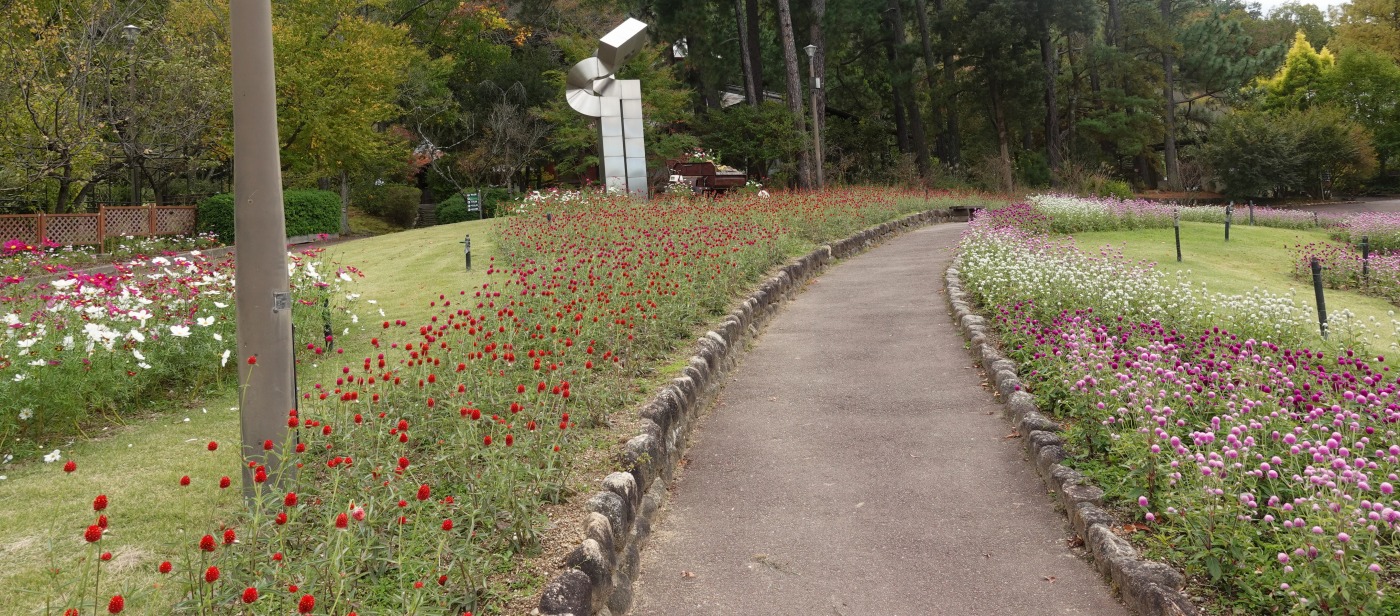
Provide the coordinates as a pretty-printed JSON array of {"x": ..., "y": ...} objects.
[
  {"x": 1254, "y": 257},
  {"x": 43, "y": 512}
]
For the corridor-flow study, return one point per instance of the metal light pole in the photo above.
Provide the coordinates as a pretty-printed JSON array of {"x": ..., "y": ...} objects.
[
  {"x": 816, "y": 121},
  {"x": 131, "y": 33},
  {"x": 263, "y": 297}
]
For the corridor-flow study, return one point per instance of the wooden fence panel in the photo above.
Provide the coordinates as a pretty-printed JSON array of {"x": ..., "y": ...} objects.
[{"x": 89, "y": 229}]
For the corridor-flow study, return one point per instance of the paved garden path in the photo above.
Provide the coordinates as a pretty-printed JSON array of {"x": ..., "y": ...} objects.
[{"x": 854, "y": 465}]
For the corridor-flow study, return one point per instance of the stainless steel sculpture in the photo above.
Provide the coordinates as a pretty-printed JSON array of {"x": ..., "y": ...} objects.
[{"x": 617, "y": 103}]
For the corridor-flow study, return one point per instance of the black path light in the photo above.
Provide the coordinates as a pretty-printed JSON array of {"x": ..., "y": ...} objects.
[
  {"x": 1251, "y": 212},
  {"x": 1365, "y": 259},
  {"x": 1321, "y": 303},
  {"x": 467, "y": 244},
  {"x": 1229, "y": 214},
  {"x": 1176, "y": 224}
]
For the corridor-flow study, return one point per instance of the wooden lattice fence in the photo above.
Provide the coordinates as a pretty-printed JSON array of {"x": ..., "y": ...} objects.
[{"x": 91, "y": 229}]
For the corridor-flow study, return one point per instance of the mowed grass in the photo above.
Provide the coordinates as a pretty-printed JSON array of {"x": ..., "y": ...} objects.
[
  {"x": 43, "y": 511},
  {"x": 1255, "y": 257}
]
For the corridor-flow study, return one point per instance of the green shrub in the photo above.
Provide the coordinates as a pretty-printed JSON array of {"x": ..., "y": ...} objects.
[
  {"x": 215, "y": 215},
  {"x": 399, "y": 205},
  {"x": 306, "y": 212},
  {"x": 310, "y": 212},
  {"x": 454, "y": 208},
  {"x": 1117, "y": 189}
]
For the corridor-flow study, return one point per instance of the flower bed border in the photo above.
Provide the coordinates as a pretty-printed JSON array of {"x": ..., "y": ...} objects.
[
  {"x": 599, "y": 573},
  {"x": 1150, "y": 588}
]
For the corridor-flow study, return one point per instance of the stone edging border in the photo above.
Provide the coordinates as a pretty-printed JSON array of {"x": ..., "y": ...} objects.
[
  {"x": 1149, "y": 588},
  {"x": 599, "y": 573}
]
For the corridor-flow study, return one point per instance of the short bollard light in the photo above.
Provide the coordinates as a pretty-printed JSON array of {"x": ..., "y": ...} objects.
[
  {"x": 1251, "y": 212},
  {"x": 1176, "y": 224},
  {"x": 1229, "y": 214},
  {"x": 1321, "y": 303},
  {"x": 1365, "y": 258},
  {"x": 467, "y": 243}
]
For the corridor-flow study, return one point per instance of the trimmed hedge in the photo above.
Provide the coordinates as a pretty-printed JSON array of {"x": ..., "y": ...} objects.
[
  {"x": 395, "y": 203},
  {"x": 306, "y": 212}
]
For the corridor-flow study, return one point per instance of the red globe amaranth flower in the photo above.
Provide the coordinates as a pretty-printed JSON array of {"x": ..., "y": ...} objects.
[
  {"x": 358, "y": 513},
  {"x": 70, "y": 466},
  {"x": 211, "y": 575},
  {"x": 229, "y": 536},
  {"x": 290, "y": 500},
  {"x": 213, "y": 445},
  {"x": 250, "y": 594},
  {"x": 70, "y": 612},
  {"x": 510, "y": 440},
  {"x": 281, "y": 518},
  {"x": 164, "y": 567},
  {"x": 342, "y": 520},
  {"x": 99, "y": 503},
  {"x": 487, "y": 440},
  {"x": 260, "y": 475},
  {"x": 442, "y": 580},
  {"x": 116, "y": 605},
  {"x": 93, "y": 534},
  {"x": 252, "y": 360},
  {"x": 447, "y": 524},
  {"x": 225, "y": 482},
  {"x": 306, "y": 604},
  {"x": 207, "y": 544},
  {"x": 292, "y": 588},
  {"x": 102, "y": 522},
  {"x": 424, "y": 492},
  {"x": 267, "y": 445},
  {"x": 185, "y": 480},
  {"x": 106, "y": 556}
]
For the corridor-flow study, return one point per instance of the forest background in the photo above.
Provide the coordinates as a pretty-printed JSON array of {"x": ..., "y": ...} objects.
[{"x": 121, "y": 101}]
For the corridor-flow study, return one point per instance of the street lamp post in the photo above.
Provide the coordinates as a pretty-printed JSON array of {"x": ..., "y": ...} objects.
[
  {"x": 263, "y": 299},
  {"x": 131, "y": 33},
  {"x": 816, "y": 121}
]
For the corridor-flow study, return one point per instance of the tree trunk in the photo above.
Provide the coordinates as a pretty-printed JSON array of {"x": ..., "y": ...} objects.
[
  {"x": 1008, "y": 181},
  {"x": 344, "y": 203},
  {"x": 1048, "y": 55},
  {"x": 899, "y": 77},
  {"x": 901, "y": 126},
  {"x": 1112, "y": 28},
  {"x": 794, "y": 94},
  {"x": 819, "y": 98},
  {"x": 755, "y": 45},
  {"x": 746, "y": 56},
  {"x": 926, "y": 43},
  {"x": 1173, "y": 170},
  {"x": 951, "y": 145},
  {"x": 65, "y": 183}
]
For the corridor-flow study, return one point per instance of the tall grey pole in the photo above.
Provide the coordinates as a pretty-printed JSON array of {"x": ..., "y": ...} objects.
[
  {"x": 263, "y": 297},
  {"x": 816, "y": 121}
]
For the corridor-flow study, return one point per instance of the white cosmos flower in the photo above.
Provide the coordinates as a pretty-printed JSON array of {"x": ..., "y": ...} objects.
[
  {"x": 140, "y": 315},
  {"x": 218, "y": 337},
  {"x": 180, "y": 331},
  {"x": 204, "y": 321},
  {"x": 223, "y": 360},
  {"x": 144, "y": 366},
  {"x": 27, "y": 342},
  {"x": 220, "y": 305},
  {"x": 24, "y": 415},
  {"x": 63, "y": 284},
  {"x": 39, "y": 362},
  {"x": 53, "y": 456},
  {"x": 137, "y": 354},
  {"x": 344, "y": 276},
  {"x": 11, "y": 319},
  {"x": 136, "y": 335}
]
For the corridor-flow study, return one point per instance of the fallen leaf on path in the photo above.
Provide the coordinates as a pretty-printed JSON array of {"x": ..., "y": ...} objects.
[
  {"x": 1050, "y": 578},
  {"x": 687, "y": 574},
  {"x": 1014, "y": 434},
  {"x": 1075, "y": 541}
]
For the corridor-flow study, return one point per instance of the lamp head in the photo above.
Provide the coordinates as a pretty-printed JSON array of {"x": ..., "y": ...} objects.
[
  {"x": 130, "y": 32},
  {"x": 811, "y": 50}
]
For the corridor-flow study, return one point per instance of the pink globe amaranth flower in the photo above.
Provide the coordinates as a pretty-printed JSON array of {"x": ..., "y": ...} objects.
[{"x": 358, "y": 513}]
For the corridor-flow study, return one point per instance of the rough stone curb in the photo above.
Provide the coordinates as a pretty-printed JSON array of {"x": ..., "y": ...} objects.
[
  {"x": 1149, "y": 588},
  {"x": 597, "y": 576}
]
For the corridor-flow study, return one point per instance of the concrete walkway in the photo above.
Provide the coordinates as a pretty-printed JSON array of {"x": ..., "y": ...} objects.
[{"x": 854, "y": 465}]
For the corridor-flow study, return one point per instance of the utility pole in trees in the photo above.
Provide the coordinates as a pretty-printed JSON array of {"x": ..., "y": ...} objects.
[{"x": 263, "y": 297}]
